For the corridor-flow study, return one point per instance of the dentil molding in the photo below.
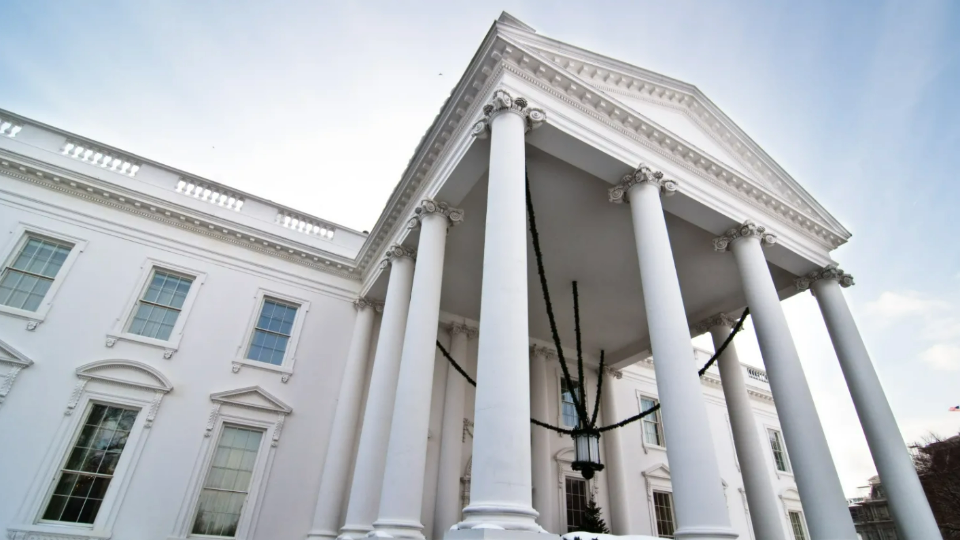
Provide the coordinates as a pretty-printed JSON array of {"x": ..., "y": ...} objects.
[
  {"x": 430, "y": 207},
  {"x": 502, "y": 102},
  {"x": 829, "y": 272},
  {"x": 643, "y": 174},
  {"x": 748, "y": 229}
]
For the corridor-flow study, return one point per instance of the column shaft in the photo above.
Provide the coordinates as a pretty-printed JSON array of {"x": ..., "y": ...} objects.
[
  {"x": 544, "y": 478},
  {"x": 699, "y": 502},
  {"x": 372, "y": 450},
  {"x": 820, "y": 492},
  {"x": 402, "y": 494},
  {"x": 908, "y": 503},
  {"x": 451, "y": 439},
  {"x": 764, "y": 512},
  {"x": 336, "y": 467},
  {"x": 500, "y": 490},
  {"x": 619, "y": 511}
]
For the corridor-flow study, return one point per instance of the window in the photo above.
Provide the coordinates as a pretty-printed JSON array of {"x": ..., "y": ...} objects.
[
  {"x": 272, "y": 332},
  {"x": 227, "y": 484},
  {"x": 88, "y": 470},
  {"x": 779, "y": 451},
  {"x": 796, "y": 523},
  {"x": 652, "y": 428},
  {"x": 568, "y": 410},
  {"x": 576, "y": 491},
  {"x": 160, "y": 305},
  {"x": 28, "y": 277},
  {"x": 663, "y": 510}
]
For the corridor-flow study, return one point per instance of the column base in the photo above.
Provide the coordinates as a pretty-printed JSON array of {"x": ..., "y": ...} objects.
[
  {"x": 353, "y": 532},
  {"x": 497, "y": 534},
  {"x": 500, "y": 517},
  {"x": 396, "y": 528},
  {"x": 705, "y": 533},
  {"x": 318, "y": 534}
]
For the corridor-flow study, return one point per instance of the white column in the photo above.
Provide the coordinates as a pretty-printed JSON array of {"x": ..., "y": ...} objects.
[
  {"x": 544, "y": 478},
  {"x": 402, "y": 495},
  {"x": 820, "y": 492},
  {"x": 451, "y": 439},
  {"x": 908, "y": 503},
  {"x": 700, "y": 506},
  {"x": 617, "y": 491},
  {"x": 336, "y": 467},
  {"x": 372, "y": 450},
  {"x": 500, "y": 490},
  {"x": 764, "y": 511}
]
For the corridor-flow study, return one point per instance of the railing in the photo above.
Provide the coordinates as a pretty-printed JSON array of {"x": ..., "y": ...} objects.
[
  {"x": 757, "y": 374},
  {"x": 102, "y": 158},
  {"x": 210, "y": 193},
  {"x": 305, "y": 225},
  {"x": 9, "y": 127}
]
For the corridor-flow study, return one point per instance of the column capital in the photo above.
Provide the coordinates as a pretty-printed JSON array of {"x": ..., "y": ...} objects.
[
  {"x": 643, "y": 174},
  {"x": 546, "y": 352},
  {"x": 748, "y": 229},
  {"x": 502, "y": 102},
  {"x": 720, "y": 319},
  {"x": 615, "y": 373},
  {"x": 362, "y": 303},
  {"x": 397, "y": 251},
  {"x": 828, "y": 272},
  {"x": 462, "y": 328},
  {"x": 429, "y": 206}
]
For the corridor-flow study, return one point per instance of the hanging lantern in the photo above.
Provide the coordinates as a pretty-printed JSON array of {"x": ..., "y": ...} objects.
[{"x": 587, "y": 445}]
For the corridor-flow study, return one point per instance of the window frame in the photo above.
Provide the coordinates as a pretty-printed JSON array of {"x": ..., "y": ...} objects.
[
  {"x": 673, "y": 511},
  {"x": 560, "y": 402},
  {"x": 285, "y": 368},
  {"x": 587, "y": 495},
  {"x": 250, "y": 408},
  {"x": 801, "y": 521},
  {"x": 564, "y": 459},
  {"x": 768, "y": 430},
  {"x": 121, "y": 325},
  {"x": 643, "y": 435},
  {"x": 118, "y": 383},
  {"x": 19, "y": 236}
]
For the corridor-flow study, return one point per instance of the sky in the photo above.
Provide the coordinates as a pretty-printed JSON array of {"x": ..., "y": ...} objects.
[{"x": 319, "y": 106}]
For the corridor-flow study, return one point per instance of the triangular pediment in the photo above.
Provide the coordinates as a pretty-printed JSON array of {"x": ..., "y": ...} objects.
[
  {"x": 661, "y": 471},
  {"x": 127, "y": 373},
  {"x": 10, "y": 355},
  {"x": 252, "y": 397},
  {"x": 676, "y": 119}
]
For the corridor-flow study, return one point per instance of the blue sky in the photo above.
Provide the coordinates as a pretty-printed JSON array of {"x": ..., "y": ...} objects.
[{"x": 320, "y": 105}]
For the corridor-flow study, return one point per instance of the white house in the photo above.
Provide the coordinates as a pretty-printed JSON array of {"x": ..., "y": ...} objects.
[{"x": 179, "y": 359}]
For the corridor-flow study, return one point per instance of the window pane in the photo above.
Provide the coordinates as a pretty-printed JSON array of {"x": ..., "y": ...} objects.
[
  {"x": 225, "y": 488},
  {"x": 779, "y": 453},
  {"x": 88, "y": 470},
  {"x": 663, "y": 510},
  {"x": 576, "y": 493},
  {"x": 796, "y": 523},
  {"x": 23, "y": 291},
  {"x": 568, "y": 408},
  {"x": 42, "y": 257}
]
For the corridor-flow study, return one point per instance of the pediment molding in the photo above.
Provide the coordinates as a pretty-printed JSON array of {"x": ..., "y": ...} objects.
[
  {"x": 252, "y": 397},
  {"x": 661, "y": 471},
  {"x": 128, "y": 373}
]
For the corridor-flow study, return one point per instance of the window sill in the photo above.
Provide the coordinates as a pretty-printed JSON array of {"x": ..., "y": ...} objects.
[
  {"x": 169, "y": 347},
  {"x": 285, "y": 371},
  {"x": 34, "y": 318},
  {"x": 654, "y": 447},
  {"x": 55, "y": 532},
  {"x": 783, "y": 473}
]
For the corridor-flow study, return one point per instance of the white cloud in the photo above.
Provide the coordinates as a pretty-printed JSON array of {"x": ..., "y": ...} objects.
[
  {"x": 894, "y": 305},
  {"x": 942, "y": 357}
]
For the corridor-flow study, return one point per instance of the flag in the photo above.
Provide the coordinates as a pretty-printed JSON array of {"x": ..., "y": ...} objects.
[{"x": 955, "y": 409}]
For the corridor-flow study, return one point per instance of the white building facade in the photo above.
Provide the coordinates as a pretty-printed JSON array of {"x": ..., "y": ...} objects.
[{"x": 179, "y": 359}]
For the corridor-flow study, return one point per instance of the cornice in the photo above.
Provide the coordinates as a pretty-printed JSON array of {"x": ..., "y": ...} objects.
[
  {"x": 169, "y": 213},
  {"x": 585, "y": 97}
]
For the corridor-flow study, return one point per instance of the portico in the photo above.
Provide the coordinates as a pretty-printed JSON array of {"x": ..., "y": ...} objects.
[{"x": 582, "y": 132}]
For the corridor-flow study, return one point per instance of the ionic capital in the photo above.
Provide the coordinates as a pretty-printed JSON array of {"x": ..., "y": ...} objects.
[
  {"x": 544, "y": 352},
  {"x": 362, "y": 303},
  {"x": 720, "y": 319},
  {"x": 615, "y": 373},
  {"x": 429, "y": 206},
  {"x": 503, "y": 102},
  {"x": 830, "y": 272},
  {"x": 397, "y": 251},
  {"x": 748, "y": 229},
  {"x": 462, "y": 328},
  {"x": 643, "y": 174}
]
